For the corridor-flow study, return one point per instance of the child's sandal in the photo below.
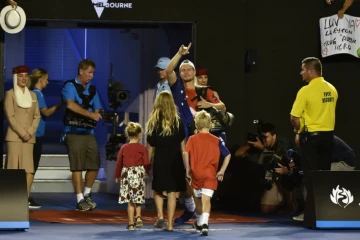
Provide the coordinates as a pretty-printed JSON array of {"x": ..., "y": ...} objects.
[
  {"x": 159, "y": 223},
  {"x": 130, "y": 227},
  {"x": 139, "y": 223},
  {"x": 166, "y": 228}
]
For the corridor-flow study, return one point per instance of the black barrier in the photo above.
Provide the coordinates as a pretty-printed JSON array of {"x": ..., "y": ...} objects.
[
  {"x": 14, "y": 209},
  {"x": 333, "y": 200}
]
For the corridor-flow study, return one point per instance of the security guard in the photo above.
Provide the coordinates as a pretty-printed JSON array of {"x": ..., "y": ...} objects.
[{"x": 315, "y": 103}]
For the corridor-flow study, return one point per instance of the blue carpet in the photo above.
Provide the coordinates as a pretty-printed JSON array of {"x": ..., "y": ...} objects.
[{"x": 283, "y": 227}]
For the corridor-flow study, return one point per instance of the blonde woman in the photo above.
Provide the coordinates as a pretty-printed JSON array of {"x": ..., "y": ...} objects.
[
  {"x": 165, "y": 132},
  {"x": 39, "y": 81},
  {"x": 23, "y": 115}
]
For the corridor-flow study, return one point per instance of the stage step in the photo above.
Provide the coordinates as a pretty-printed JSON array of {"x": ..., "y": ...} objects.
[
  {"x": 54, "y": 160},
  {"x": 63, "y": 186},
  {"x": 54, "y": 175},
  {"x": 58, "y": 173}
]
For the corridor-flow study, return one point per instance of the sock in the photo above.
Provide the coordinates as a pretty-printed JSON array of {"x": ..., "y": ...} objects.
[
  {"x": 205, "y": 218},
  {"x": 79, "y": 197},
  {"x": 198, "y": 219},
  {"x": 87, "y": 191},
  {"x": 190, "y": 204}
]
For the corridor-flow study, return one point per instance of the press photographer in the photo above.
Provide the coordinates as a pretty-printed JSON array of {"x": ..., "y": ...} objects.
[{"x": 275, "y": 168}]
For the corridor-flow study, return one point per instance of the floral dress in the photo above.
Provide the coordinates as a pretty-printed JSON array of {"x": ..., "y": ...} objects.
[
  {"x": 132, "y": 185},
  {"x": 131, "y": 167}
]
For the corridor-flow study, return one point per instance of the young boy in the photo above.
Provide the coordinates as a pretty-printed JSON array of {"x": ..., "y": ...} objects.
[{"x": 204, "y": 150}]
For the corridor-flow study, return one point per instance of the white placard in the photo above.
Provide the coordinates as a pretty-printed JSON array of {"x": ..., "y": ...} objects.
[{"x": 340, "y": 35}]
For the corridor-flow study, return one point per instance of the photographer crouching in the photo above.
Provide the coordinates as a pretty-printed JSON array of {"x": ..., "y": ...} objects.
[{"x": 279, "y": 172}]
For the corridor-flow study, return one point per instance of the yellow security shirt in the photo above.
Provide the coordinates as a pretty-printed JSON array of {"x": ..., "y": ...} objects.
[{"x": 316, "y": 103}]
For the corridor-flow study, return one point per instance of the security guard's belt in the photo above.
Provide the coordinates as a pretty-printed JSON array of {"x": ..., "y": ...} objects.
[{"x": 311, "y": 134}]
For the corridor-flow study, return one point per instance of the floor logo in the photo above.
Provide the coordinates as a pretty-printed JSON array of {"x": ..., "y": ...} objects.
[
  {"x": 100, "y": 5},
  {"x": 341, "y": 195}
]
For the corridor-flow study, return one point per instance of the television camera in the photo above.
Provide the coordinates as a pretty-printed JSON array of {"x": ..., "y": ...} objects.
[
  {"x": 116, "y": 97},
  {"x": 271, "y": 160}
]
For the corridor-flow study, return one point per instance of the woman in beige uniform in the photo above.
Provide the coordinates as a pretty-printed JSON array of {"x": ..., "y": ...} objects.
[{"x": 23, "y": 115}]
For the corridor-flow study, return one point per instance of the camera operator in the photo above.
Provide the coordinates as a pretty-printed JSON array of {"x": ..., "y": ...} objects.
[
  {"x": 271, "y": 152},
  {"x": 82, "y": 104}
]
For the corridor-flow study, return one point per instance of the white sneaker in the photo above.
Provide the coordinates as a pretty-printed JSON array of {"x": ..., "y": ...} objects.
[{"x": 299, "y": 217}]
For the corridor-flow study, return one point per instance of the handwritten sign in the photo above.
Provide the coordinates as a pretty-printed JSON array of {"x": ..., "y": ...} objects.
[{"x": 340, "y": 35}]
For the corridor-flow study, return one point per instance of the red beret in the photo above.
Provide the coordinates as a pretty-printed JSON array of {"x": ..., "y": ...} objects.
[
  {"x": 21, "y": 69},
  {"x": 201, "y": 71}
]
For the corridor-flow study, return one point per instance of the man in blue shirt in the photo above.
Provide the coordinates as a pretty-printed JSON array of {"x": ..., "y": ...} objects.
[
  {"x": 80, "y": 140},
  {"x": 181, "y": 89},
  {"x": 184, "y": 90},
  {"x": 343, "y": 156},
  {"x": 39, "y": 81},
  {"x": 163, "y": 85}
]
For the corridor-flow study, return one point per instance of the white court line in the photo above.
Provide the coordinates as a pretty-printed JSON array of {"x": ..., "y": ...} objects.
[
  {"x": 175, "y": 230},
  {"x": 68, "y": 219}
]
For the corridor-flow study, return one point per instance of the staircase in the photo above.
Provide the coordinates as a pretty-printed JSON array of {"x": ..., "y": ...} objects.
[{"x": 53, "y": 175}]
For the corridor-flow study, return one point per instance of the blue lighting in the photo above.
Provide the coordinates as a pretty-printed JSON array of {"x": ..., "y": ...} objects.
[
  {"x": 14, "y": 225},
  {"x": 338, "y": 224}
]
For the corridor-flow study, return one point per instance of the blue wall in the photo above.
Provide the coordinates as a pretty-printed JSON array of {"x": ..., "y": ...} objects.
[
  {"x": 133, "y": 53},
  {"x": 59, "y": 51}
]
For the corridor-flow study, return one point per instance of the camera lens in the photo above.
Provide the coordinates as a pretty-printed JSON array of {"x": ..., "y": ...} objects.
[{"x": 123, "y": 96}]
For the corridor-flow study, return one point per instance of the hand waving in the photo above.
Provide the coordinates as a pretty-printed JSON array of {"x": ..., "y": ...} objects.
[{"x": 184, "y": 50}]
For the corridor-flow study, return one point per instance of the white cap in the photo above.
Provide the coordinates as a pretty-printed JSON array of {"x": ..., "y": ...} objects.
[{"x": 187, "y": 62}]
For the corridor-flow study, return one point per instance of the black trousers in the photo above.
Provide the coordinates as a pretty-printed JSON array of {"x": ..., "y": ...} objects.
[
  {"x": 315, "y": 155},
  {"x": 37, "y": 153},
  {"x": 316, "y": 152}
]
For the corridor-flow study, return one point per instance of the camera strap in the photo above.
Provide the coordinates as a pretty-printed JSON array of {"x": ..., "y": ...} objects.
[
  {"x": 77, "y": 120},
  {"x": 200, "y": 92},
  {"x": 86, "y": 99}
]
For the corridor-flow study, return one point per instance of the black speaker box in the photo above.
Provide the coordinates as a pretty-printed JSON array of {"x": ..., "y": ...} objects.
[
  {"x": 333, "y": 200},
  {"x": 14, "y": 209}
]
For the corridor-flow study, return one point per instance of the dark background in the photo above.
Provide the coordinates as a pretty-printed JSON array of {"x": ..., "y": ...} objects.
[{"x": 279, "y": 34}]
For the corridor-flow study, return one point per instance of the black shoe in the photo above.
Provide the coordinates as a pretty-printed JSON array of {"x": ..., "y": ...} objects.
[
  {"x": 204, "y": 230},
  {"x": 196, "y": 226},
  {"x": 83, "y": 206},
  {"x": 90, "y": 201},
  {"x": 32, "y": 204}
]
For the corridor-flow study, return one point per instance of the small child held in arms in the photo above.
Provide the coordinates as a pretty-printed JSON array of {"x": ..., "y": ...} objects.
[
  {"x": 204, "y": 150},
  {"x": 131, "y": 168}
]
